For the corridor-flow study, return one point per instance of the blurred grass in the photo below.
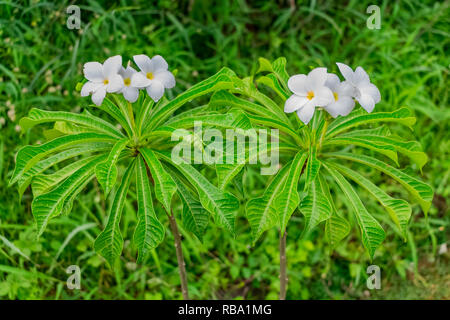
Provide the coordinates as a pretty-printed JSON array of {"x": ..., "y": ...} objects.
[{"x": 41, "y": 62}]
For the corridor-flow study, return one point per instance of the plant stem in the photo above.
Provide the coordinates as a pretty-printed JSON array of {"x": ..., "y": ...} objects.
[
  {"x": 324, "y": 131},
  {"x": 180, "y": 258},
  {"x": 283, "y": 274}
]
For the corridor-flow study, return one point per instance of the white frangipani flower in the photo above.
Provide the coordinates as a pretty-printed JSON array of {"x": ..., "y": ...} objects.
[
  {"x": 309, "y": 92},
  {"x": 154, "y": 75},
  {"x": 343, "y": 102},
  {"x": 366, "y": 93},
  {"x": 102, "y": 78},
  {"x": 129, "y": 92}
]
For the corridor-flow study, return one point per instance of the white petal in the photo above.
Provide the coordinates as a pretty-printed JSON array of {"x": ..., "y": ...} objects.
[
  {"x": 360, "y": 76},
  {"x": 115, "y": 83},
  {"x": 322, "y": 96},
  {"x": 332, "y": 82},
  {"x": 98, "y": 96},
  {"x": 130, "y": 94},
  {"x": 297, "y": 84},
  {"x": 93, "y": 71},
  {"x": 90, "y": 87},
  {"x": 306, "y": 112},
  {"x": 294, "y": 102},
  {"x": 155, "y": 90},
  {"x": 346, "y": 71},
  {"x": 345, "y": 88},
  {"x": 112, "y": 66},
  {"x": 332, "y": 109},
  {"x": 166, "y": 78},
  {"x": 127, "y": 72},
  {"x": 371, "y": 90},
  {"x": 144, "y": 63},
  {"x": 345, "y": 105},
  {"x": 159, "y": 64},
  {"x": 367, "y": 102},
  {"x": 317, "y": 77},
  {"x": 139, "y": 80},
  {"x": 342, "y": 107}
]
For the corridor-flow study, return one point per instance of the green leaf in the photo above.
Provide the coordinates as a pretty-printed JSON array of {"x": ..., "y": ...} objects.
[
  {"x": 221, "y": 80},
  {"x": 411, "y": 149},
  {"x": 264, "y": 65},
  {"x": 420, "y": 191},
  {"x": 261, "y": 212},
  {"x": 371, "y": 231},
  {"x": 195, "y": 217},
  {"x": 227, "y": 171},
  {"x": 271, "y": 81},
  {"x": 256, "y": 113},
  {"x": 114, "y": 111},
  {"x": 62, "y": 128},
  {"x": 49, "y": 162},
  {"x": 106, "y": 172},
  {"x": 384, "y": 149},
  {"x": 399, "y": 210},
  {"x": 28, "y": 156},
  {"x": 37, "y": 116},
  {"x": 202, "y": 110},
  {"x": 149, "y": 232},
  {"x": 165, "y": 187},
  {"x": 277, "y": 124},
  {"x": 232, "y": 119},
  {"x": 109, "y": 242},
  {"x": 247, "y": 88},
  {"x": 312, "y": 167},
  {"x": 336, "y": 227},
  {"x": 288, "y": 198},
  {"x": 360, "y": 117},
  {"x": 49, "y": 205},
  {"x": 224, "y": 98},
  {"x": 143, "y": 114},
  {"x": 42, "y": 183},
  {"x": 278, "y": 67},
  {"x": 222, "y": 205},
  {"x": 316, "y": 207}
]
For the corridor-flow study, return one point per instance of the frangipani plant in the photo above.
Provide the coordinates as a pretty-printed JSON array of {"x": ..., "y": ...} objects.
[
  {"x": 318, "y": 154},
  {"x": 85, "y": 146},
  {"x": 138, "y": 132}
]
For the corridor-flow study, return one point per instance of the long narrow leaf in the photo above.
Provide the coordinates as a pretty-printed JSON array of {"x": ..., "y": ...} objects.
[
  {"x": 288, "y": 198},
  {"x": 109, "y": 242},
  {"x": 420, "y": 191},
  {"x": 371, "y": 231},
  {"x": 399, "y": 210},
  {"x": 165, "y": 187},
  {"x": 30, "y": 155},
  {"x": 37, "y": 116},
  {"x": 261, "y": 212},
  {"x": 106, "y": 172},
  {"x": 149, "y": 232}
]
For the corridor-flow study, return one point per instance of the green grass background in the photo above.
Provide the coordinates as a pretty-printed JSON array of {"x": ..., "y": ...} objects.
[{"x": 41, "y": 62}]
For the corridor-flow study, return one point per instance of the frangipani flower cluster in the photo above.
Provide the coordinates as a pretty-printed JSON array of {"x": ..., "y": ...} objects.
[
  {"x": 112, "y": 77},
  {"x": 321, "y": 89}
]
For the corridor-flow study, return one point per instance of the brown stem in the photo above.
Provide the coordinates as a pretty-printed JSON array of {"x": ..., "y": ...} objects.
[
  {"x": 180, "y": 258},
  {"x": 283, "y": 274}
]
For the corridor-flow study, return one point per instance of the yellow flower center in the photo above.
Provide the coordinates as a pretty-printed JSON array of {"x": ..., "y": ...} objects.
[
  {"x": 106, "y": 81},
  {"x": 150, "y": 75},
  {"x": 335, "y": 96},
  {"x": 127, "y": 81},
  {"x": 310, "y": 95}
]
